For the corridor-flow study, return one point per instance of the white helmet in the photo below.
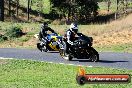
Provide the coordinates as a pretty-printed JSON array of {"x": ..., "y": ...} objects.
[{"x": 74, "y": 27}]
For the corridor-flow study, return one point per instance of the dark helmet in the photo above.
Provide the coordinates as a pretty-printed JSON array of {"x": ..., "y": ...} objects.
[{"x": 45, "y": 24}]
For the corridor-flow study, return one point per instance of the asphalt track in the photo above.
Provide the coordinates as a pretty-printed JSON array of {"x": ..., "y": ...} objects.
[{"x": 107, "y": 59}]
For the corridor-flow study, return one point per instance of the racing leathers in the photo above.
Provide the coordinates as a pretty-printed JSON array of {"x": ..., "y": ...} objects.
[
  {"x": 43, "y": 36},
  {"x": 43, "y": 32},
  {"x": 70, "y": 36}
]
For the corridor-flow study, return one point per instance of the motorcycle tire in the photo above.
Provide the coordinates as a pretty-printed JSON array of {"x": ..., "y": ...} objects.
[
  {"x": 63, "y": 53},
  {"x": 94, "y": 56},
  {"x": 44, "y": 48},
  {"x": 39, "y": 47},
  {"x": 67, "y": 57}
]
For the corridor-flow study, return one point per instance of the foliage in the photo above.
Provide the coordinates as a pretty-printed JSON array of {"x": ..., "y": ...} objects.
[
  {"x": 3, "y": 38},
  {"x": 24, "y": 39},
  {"x": 14, "y": 32},
  {"x": 76, "y": 9},
  {"x": 42, "y": 6},
  {"x": 39, "y": 5}
]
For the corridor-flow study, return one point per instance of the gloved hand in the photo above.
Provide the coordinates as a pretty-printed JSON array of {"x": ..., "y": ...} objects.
[
  {"x": 71, "y": 43},
  {"x": 55, "y": 33}
]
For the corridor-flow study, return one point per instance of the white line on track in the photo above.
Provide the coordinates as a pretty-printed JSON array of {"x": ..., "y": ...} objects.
[
  {"x": 68, "y": 64},
  {"x": 47, "y": 62},
  {"x": 5, "y": 58}
]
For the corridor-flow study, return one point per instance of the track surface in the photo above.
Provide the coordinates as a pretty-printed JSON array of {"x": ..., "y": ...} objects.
[{"x": 107, "y": 59}]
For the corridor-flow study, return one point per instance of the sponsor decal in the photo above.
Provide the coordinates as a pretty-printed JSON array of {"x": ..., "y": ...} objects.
[{"x": 83, "y": 78}]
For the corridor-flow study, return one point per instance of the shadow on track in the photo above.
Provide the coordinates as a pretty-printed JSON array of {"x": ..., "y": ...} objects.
[
  {"x": 53, "y": 52},
  {"x": 50, "y": 52},
  {"x": 107, "y": 61},
  {"x": 100, "y": 61}
]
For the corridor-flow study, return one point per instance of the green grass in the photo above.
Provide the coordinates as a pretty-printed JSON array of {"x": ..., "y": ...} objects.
[
  {"x": 115, "y": 48},
  {"x": 104, "y": 6},
  {"x": 45, "y": 5},
  {"x": 30, "y": 28},
  {"x": 93, "y": 30},
  {"x": 24, "y": 39},
  {"x": 113, "y": 6},
  {"x": 34, "y": 74}
]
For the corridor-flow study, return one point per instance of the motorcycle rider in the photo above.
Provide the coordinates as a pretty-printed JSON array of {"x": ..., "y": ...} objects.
[
  {"x": 43, "y": 35},
  {"x": 44, "y": 30},
  {"x": 70, "y": 35}
]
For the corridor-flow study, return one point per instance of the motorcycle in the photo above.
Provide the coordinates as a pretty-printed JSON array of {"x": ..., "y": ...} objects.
[
  {"x": 81, "y": 49},
  {"x": 50, "y": 42}
]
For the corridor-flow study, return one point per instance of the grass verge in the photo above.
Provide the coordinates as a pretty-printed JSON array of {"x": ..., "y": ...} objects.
[
  {"x": 114, "y": 36},
  {"x": 115, "y": 48},
  {"x": 34, "y": 74}
]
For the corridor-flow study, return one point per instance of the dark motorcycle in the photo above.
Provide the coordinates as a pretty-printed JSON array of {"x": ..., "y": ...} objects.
[{"x": 81, "y": 49}]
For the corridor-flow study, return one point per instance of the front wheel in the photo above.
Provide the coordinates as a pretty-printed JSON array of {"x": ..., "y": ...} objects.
[
  {"x": 94, "y": 56},
  {"x": 39, "y": 47},
  {"x": 44, "y": 48}
]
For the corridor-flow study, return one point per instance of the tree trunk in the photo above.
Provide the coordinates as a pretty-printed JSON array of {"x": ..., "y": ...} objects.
[
  {"x": 69, "y": 13},
  {"x": 109, "y": 5},
  {"x": 9, "y": 7},
  {"x": 1, "y": 10},
  {"x": 28, "y": 10},
  {"x": 17, "y": 8},
  {"x": 117, "y": 5}
]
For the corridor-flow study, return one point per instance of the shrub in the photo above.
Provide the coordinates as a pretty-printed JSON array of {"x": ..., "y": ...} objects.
[
  {"x": 3, "y": 38},
  {"x": 14, "y": 32},
  {"x": 24, "y": 39}
]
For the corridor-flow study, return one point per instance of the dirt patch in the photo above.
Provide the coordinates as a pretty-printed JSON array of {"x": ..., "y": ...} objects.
[
  {"x": 114, "y": 38},
  {"x": 31, "y": 43},
  {"x": 2, "y": 61},
  {"x": 104, "y": 12},
  {"x": 114, "y": 33}
]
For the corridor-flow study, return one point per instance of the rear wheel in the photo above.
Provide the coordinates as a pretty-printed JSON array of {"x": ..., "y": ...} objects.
[
  {"x": 63, "y": 53},
  {"x": 67, "y": 57}
]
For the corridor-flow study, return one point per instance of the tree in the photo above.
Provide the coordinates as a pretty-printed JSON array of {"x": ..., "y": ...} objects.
[
  {"x": 28, "y": 9},
  {"x": 9, "y": 7},
  {"x": 82, "y": 8},
  {"x": 109, "y": 3},
  {"x": 39, "y": 5},
  {"x": 63, "y": 6},
  {"x": 17, "y": 7},
  {"x": 88, "y": 8},
  {"x": 1, "y": 10}
]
